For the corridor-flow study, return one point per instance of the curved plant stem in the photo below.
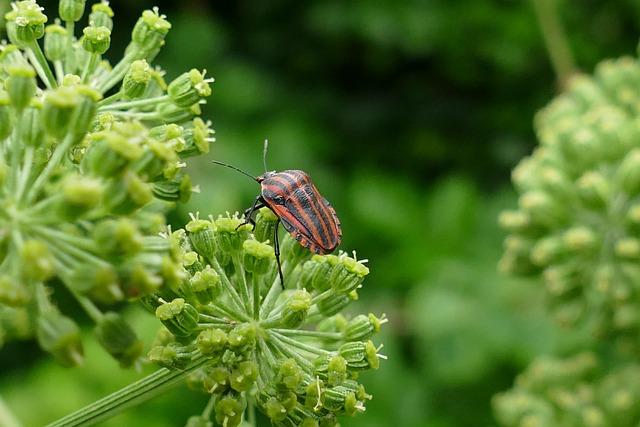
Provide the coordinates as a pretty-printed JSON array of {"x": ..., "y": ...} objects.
[
  {"x": 129, "y": 396},
  {"x": 555, "y": 40}
]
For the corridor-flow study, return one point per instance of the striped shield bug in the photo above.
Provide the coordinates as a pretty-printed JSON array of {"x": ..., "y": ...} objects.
[{"x": 299, "y": 206}]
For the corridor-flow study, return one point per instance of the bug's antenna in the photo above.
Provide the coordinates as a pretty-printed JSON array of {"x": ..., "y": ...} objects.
[
  {"x": 264, "y": 154},
  {"x": 234, "y": 168}
]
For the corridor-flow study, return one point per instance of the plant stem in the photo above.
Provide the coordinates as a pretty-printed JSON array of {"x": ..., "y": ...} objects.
[
  {"x": 7, "y": 419},
  {"x": 555, "y": 40},
  {"x": 42, "y": 66},
  {"x": 129, "y": 396}
]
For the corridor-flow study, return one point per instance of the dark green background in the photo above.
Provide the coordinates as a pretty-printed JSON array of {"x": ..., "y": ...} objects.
[{"x": 409, "y": 116}]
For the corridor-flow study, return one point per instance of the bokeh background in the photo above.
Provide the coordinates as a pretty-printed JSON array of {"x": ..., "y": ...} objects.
[{"x": 409, "y": 115}]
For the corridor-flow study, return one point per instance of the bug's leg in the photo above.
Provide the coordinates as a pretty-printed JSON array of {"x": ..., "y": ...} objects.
[
  {"x": 276, "y": 248},
  {"x": 248, "y": 213}
]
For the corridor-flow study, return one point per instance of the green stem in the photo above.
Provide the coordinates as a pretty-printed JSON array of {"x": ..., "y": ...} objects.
[
  {"x": 129, "y": 396},
  {"x": 55, "y": 159},
  {"x": 206, "y": 413},
  {"x": 288, "y": 352},
  {"x": 69, "y": 60},
  {"x": 230, "y": 289},
  {"x": 109, "y": 100},
  {"x": 88, "y": 306},
  {"x": 555, "y": 40},
  {"x": 89, "y": 67},
  {"x": 57, "y": 65},
  {"x": 134, "y": 104},
  {"x": 302, "y": 346},
  {"x": 25, "y": 173},
  {"x": 7, "y": 419},
  {"x": 310, "y": 334},
  {"x": 270, "y": 299},
  {"x": 42, "y": 66},
  {"x": 244, "y": 287}
]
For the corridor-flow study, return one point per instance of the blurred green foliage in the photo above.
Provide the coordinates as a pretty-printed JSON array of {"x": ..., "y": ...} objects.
[{"x": 409, "y": 116}]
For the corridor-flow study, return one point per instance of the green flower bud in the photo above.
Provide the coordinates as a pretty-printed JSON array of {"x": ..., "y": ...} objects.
[
  {"x": 189, "y": 88},
  {"x": 59, "y": 106},
  {"x": 257, "y": 256},
  {"x": 55, "y": 42},
  {"x": 111, "y": 150},
  {"x": 229, "y": 410},
  {"x": 96, "y": 40},
  {"x": 202, "y": 237},
  {"x": 37, "y": 261},
  {"x": 6, "y": 122},
  {"x": 101, "y": 15},
  {"x": 205, "y": 285},
  {"x": 547, "y": 250},
  {"x": 136, "y": 80},
  {"x": 21, "y": 86},
  {"x": 80, "y": 194},
  {"x": 178, "y": 189},
  {"x": 12, "y": 293},
  {"x": 148, "y": 35},
  {"x": 211, "y": 341},
  {"x": 265, "y": 227},
  {"x": 198, "y": 421},
  {"x": 314, "y": 394},
  {"x": 594, "y": 189},
  {"x": 337, "y": 370},
  {"x": 296, "y": 309},
  {"x": 513, "y": 221},
  {"x": 217, "y": 379},
  {"x": 242, "y": 337},
  {"x": 289, "y": 375},
  {"x": 628, "y": 174},
  {"x": 541, "y": 208},
  {"x": 309, "y": 422},
  {"x": 60, "y": 336},
  {"x": 317, "y": 271},
  {"x": 117, "y": 237},
  {"x": 363, "y": 327},
  {"x": 128, "y": 194},
  {"x": 101, "y": 282},
  {"x": 348, "y": 274},
  {"x": 197, "y": 138},
  {"x": 340, "y": 399},
  {"x": 71, "y": 10},
  {"x": 29, "y": 21},
  {"x": 30, "y": 128},
  {"x": 360, "y": 355},
  {"x": 170, "y": 356},
  {"x": 275, "y": 410},
  {"x": 230, "y": 236},
  {"x": 116, "y": 336},
  {"x": 579, "y": 239},
  {"x": 179, "y": 317},
  {"x": 85, "y": 111},
  {"x": 627, "y": 248},
  {"x": 243, "y": 376},
  {"x": 333, "y": 303}
]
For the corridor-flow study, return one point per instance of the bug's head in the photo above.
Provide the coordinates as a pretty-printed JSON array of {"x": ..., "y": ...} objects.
[{"x": 265, "y": 175}]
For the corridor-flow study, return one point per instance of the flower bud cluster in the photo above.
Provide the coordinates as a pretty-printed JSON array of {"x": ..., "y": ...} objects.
[
  {"x": 287, "y": 350},
  {"x": 572, "y": 392},
  {"x": 578, "y": 218},
  {"x": 93, "y": 154}
]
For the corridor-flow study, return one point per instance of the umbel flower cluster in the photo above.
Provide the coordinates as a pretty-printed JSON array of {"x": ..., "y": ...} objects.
[
  {"x": 578, "y": 220},
  {"x": 90, "y": 155},
  {"x": 572, "y": 392},
  {"x": 286, "y": 350}
]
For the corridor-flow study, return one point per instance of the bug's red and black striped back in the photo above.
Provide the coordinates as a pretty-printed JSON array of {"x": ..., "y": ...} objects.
[{"x": 305, "y": 214}]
